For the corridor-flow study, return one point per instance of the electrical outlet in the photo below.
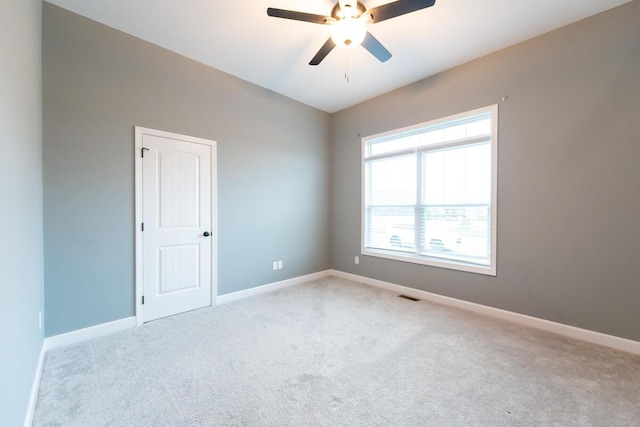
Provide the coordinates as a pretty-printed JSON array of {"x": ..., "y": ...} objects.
[
  {"x": 280, "y": 265},
  {"x": 357, "y": 260},
  {"x": 275, "y": 265}
]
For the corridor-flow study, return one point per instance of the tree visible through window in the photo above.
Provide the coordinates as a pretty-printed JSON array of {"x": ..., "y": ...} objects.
[{"x": 429, "y": 192}]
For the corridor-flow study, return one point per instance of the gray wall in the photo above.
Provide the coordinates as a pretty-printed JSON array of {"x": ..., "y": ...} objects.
[
  {"x": 21, "y": 282},
  {"x": 569, "y": 174},
  {"x": 273, "y": 158}
]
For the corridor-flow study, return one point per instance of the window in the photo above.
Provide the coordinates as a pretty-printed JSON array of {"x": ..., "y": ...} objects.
[{"x": 429, "y": 193}]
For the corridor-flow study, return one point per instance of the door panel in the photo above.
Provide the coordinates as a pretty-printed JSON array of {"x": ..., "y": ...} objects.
[
  {"x": 178, "y": 189},
  {"x": 178, "y": 268},
  {"x": 177, "y": 211}
]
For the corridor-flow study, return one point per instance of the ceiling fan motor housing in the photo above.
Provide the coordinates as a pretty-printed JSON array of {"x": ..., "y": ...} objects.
[
  {"x": 349, "y": 29},
  {"x": 349, "y": 9}
]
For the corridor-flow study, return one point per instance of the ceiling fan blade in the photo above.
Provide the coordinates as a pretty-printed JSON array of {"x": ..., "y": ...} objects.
[
  {"x": 375, "y": 47},
  {"x": 323, "y": 52},
  {"x": 298, "y": 16},
  {"x": 397, "y": 8}
]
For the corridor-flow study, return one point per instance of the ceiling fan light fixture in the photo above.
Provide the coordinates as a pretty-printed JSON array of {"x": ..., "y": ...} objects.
[
  {"x": 348, "y": 20},
  {"x": 348, "y": 32}
]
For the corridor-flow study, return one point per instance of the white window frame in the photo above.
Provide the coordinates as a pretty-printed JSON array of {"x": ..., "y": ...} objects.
[{"x": 422, "y": 259}]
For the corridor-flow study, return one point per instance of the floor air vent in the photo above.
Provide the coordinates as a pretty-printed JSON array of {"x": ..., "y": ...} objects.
[{"x": 408, "y": 297}]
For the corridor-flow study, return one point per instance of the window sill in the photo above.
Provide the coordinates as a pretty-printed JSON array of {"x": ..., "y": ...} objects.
[{"x": 429, "y": 261}]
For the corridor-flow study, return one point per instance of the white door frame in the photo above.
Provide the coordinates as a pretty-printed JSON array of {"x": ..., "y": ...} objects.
[{"x": 139, "y": 271}]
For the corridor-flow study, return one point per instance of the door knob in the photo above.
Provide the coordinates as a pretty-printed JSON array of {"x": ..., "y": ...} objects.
[{"x": 206, "y": 234}]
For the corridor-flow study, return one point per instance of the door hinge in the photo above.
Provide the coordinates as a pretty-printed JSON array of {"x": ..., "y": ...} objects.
[
  {"x": 142, "y": 151},
  {"x": 142, "y": 226},
  {"x": 142, "y": 299}
]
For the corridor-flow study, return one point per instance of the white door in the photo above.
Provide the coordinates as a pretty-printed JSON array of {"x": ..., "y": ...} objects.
[{"x": 176, "y": 229}]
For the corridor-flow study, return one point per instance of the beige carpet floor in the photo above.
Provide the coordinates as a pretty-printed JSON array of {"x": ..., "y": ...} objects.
[{"x": 336, "y": 353}]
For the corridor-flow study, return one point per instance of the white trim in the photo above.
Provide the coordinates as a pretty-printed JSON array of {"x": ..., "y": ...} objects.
[
  {"x": 270, "y": 287},
  {"x": 139, "y": 217},
  {"x": 80, "y": 335},
  {"x": 463, "y": 117},
  {"x": 138, "y": 220},
  {"x": 599, "y": 338},
  {"x": 415, "y": 257},
  {"x": 510, "y": 316},
  {"x": 450, "y": 264},
  {"x": 214, "y": 222},
  {"x": 35, "y": 387}
]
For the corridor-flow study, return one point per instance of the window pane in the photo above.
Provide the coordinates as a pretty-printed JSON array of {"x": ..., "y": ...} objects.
[
  {"x": 479, "y": 128},
  {"x": 396, "y": 144},
  {"x": 455, "y": 132},
  {"x": 392, "y": 182},
  {"x": 433, "y": 137},
  {"x": 391, "y": 228},
  {"x": 422, "y": 137},
  {"x": 460, "y": 175},
  {"x": 457, "y": 233}
]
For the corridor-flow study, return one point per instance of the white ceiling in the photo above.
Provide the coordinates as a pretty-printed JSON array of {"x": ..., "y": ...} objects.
[{"x": 238, "y": 37}]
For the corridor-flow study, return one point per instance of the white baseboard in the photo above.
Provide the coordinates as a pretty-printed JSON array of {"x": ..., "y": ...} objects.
[
  {"x": 233, "y": 296},
  {"x": 35, "y": 386},
  {"x": 618, "y": 343},
  {"x": 75, "y": 337}
]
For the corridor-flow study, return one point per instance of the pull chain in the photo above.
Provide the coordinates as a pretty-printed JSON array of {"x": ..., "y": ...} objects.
[{"x": 346, "y": 65}]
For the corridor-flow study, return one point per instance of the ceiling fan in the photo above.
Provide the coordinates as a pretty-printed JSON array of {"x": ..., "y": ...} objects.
[{"x": 349, "y": 20}]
